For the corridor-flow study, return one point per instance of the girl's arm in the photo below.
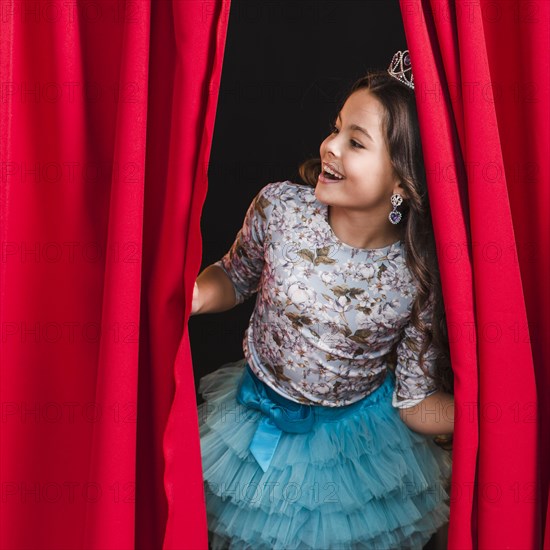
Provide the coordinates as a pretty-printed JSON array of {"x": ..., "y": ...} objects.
[
  {"x": 434, "y": 415},
  {"x": 422, "y": 407},
  {"x": 213, "y": 292}
]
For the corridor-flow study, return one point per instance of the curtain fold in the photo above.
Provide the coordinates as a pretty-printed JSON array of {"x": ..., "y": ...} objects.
[
  {"x": 481, "y": 75},
  {"x": 106, "y": 122},
  {"x": 201, "y": 59}
]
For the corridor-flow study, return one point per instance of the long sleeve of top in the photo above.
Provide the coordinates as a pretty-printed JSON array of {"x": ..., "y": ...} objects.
[
  {"x": 327, "y": 315},
  {"x": 245, "y": 260}
]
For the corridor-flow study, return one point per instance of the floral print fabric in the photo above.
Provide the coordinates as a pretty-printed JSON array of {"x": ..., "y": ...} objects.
[{"x": 327, "y": 314}]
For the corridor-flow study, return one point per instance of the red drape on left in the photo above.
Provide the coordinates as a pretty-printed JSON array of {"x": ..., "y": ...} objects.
[{"x": 107, "y": 116}]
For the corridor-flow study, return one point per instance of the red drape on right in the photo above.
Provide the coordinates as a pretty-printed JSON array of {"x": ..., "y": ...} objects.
[{"x": 482, "y": 85}]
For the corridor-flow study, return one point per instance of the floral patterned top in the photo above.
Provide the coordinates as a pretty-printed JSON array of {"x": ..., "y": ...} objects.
[{"x": 327, "y": 314}]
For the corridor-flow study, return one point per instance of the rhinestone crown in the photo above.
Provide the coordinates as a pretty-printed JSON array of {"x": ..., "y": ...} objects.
[{"x": 400, "y": 68}]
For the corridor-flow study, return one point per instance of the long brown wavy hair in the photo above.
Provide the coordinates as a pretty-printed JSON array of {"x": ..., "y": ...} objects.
[{"x": 402, "y": 135}]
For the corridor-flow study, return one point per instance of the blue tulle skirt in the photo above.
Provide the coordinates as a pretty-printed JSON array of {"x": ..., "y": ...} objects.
[{"x": 360, "y": 478}]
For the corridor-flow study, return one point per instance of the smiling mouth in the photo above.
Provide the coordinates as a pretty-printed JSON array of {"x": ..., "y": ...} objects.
[{"x": 330, "y": 173}]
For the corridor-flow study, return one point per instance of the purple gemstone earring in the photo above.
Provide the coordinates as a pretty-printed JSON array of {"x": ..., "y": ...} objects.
[{"x": 395, "y": 215}]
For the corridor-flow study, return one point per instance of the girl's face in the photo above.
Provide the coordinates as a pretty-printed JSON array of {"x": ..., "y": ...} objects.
[{"x": 356, "y": 152}]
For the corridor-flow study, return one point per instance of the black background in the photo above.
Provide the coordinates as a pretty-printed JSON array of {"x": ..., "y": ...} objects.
[{"x": 287, "y": 65}]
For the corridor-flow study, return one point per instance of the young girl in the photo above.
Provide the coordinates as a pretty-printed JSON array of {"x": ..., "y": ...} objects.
[{"x": 321, "y": 436}]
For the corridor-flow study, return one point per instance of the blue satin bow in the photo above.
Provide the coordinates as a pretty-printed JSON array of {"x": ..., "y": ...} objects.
[{"x": 281, "y": 415}]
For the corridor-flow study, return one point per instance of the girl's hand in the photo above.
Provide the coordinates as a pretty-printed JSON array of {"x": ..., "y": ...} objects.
[{"x": 195, "y": 306}]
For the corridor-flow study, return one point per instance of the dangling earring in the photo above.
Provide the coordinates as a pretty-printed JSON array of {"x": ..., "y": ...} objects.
[{"x": 395, "y": 215}]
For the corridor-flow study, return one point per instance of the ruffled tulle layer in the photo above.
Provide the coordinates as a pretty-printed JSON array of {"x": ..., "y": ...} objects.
[{"x": 363, "y": 480}]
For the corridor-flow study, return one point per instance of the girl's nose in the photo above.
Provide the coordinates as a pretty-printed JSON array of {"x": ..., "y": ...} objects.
[{"x": 332, "y": 145}]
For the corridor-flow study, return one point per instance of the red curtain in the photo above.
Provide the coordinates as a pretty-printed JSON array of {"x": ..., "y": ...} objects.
[
  {"x": 107, "y": 114},
  {"x": 482, "y": 87}
]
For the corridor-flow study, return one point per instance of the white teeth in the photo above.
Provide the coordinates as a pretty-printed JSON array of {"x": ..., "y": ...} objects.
[{"x": 327, "y": 169}]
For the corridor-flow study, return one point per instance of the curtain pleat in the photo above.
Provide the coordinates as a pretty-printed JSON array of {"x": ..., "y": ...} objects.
[{"x": 200, "y": 54}]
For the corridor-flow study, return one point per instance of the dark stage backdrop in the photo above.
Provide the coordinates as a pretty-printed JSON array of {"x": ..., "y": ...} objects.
[{"x": 286, "y": 67}]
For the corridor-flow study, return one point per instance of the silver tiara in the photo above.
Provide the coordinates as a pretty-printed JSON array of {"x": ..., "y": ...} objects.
[{"x": 400, "y": 68}]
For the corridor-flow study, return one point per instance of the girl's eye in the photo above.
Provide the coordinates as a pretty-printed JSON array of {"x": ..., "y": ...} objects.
[{"x": 353, "y": 143}]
